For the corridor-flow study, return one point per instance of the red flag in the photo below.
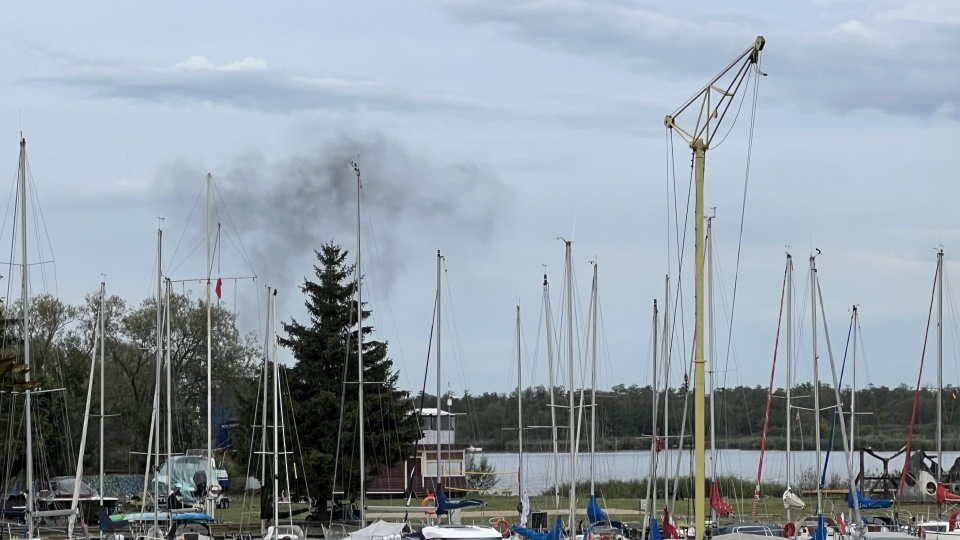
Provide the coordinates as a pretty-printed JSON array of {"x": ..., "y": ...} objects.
[
  {"x": 842, "y": 523},
  {"x": 219, "y": 285}
]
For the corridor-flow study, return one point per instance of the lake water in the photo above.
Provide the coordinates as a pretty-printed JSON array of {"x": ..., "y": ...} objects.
[{"x": 635, "y": 465}]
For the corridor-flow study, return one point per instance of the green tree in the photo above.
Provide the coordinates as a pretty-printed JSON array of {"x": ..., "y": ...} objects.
[
  {"x": 480, "y": 474},
  {"x": 325, "y": 353}
]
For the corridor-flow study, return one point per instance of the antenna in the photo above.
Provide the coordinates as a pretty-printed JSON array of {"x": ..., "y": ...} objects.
[{"x": 356, "y": 169}]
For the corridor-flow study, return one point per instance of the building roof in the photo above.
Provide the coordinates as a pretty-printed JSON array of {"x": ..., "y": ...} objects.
[{"x": 432, "y": 411}]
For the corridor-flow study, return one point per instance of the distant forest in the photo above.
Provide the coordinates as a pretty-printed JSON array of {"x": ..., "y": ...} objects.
[{"x": 624, "y": 418}]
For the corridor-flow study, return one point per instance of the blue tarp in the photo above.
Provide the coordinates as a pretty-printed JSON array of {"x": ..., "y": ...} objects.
[
  {"x": 595, "y": 514},
  {"x": 869, "y": 504},
  {"x": 655, "y": 530},
  {"x": 444, "y": 505},
  {"x": 554, "y": 534},
  {"x": 821, "y": 532}
]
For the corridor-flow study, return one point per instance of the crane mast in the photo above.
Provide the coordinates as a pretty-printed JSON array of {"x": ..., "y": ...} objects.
[{"x": 715, "y": 100}]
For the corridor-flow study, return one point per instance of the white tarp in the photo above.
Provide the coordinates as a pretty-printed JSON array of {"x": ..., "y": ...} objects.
[{"x": 379, "y": 530}]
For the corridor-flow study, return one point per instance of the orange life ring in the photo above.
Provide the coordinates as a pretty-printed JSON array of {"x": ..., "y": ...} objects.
[
  {"x": 789, "y": 529},
  {"x": 429, "y": 500},
  {"x": 502, "y": 527}
]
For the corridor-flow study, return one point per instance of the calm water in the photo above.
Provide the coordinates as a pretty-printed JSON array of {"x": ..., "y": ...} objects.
[{"x": 634, "y": 465}]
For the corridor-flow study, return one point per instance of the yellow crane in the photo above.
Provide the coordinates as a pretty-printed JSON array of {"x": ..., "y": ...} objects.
[{"x": 714, "y": 101}]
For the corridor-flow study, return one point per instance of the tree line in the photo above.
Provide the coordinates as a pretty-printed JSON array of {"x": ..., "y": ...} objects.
[{"x": 625, "y": 422}]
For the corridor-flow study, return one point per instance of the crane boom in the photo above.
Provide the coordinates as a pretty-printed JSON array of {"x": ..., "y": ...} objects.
[{"x": 715, "y": 99}]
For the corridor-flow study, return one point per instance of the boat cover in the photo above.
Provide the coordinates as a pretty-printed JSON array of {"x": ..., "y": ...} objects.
[
  {"x": 377, "y": 530},
  {"x": 792, "y": 501},
  {"x": 444, "y": 505},
  {"x": 556, "y": 533},
  {"x": 717, "y": 503},
  {"x": 869, "y": 504},
  {"x": 594, "y": 513}
]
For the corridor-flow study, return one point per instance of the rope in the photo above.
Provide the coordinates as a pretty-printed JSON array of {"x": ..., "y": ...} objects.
[
  {"x": 833, "y": 420},
  {"x": 766, "y": 416},
  {"x": 916, "y": 395},
  {"x": 743, "y": 211}
]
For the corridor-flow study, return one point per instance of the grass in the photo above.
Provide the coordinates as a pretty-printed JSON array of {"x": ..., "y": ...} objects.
[{"x": 625, "y": 509}]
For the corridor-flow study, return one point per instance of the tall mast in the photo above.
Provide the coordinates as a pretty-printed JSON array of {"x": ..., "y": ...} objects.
[
  {"x": 266, "y": 376},
  {"x": 156, "y": 394},
  {"x": 652, "y": 472},
  {"x": 360, "y": 402},
  {"x": 939, "y": 371},
  {"x": 439, "y": 377},
  {"x": 553, "y": 410},
  {"x": 816, "y": 376},
  {"x": 519, "y": 409},
  {"x": 103, "y": 342},
  {"x": 25, "y": 284},
  {"x": 571, "y": 390},
  {"x": 276, "y": 416},
  {"x": 593, "y": 385},
  {"x": 789, "y": 385},
  {"x": 210, "y": 477},
  {"x": 712, "y": 351},
  {"x": 666, "y": 392},
  {"x": 169, "y": 376},
  {"x": 853, "y": 388}
]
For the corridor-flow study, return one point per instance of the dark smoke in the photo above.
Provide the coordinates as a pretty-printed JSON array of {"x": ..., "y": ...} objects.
[{"x": 284, "y": 209}]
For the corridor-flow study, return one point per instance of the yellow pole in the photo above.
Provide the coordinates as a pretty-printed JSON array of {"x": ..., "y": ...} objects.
[{"x": 699, "y": 402}]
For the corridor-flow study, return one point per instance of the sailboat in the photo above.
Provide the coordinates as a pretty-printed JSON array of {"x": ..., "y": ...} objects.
[
  {"x": 939, "y": 527},
  {"x": 558, "y": 532},
  {"x": 35, "y": 510},
  {"x": 270, "y": 501},
  {"x": 791, "y": 501},
  {"x": 718, "y": 506}
]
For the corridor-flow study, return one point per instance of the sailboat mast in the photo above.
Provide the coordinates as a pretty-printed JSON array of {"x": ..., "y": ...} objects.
[
  {"x": 666, "y": 392},
  {"x": 593, "y": 386},
  {"x": 519, "y": 409},
  {"x": 103, "y": 342},
  {"x": 156, "y": 394},
  {"x": 652, "y": 473},
  {"x": 853, "y": 388},
  {"x": 276, "y": 411},
  {"x": 360, "y": 401},
  {"x": 210, "y": 477},
  {"x": 699, "y": 427},
  {"x": 789, "y": 384},
  {"x": 266, "y": 377},
  {"x": 169, "y": 375},
  {"x": 712, "y": 351},
  {"x": 571, "y": 390},
  {"x": 553, "y": 409},
  {"x": 816, "y": 376},
  {"x": 939, "y": 370},
  {"x": 25, "y": 284},
  {"x": 439, "y": 377}
]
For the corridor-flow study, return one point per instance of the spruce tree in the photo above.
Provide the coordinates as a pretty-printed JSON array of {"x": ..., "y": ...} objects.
[{"x": 324, "y": 379}]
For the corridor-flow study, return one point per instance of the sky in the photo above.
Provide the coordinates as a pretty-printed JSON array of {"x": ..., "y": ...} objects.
[{"x": 487, "y": 130}]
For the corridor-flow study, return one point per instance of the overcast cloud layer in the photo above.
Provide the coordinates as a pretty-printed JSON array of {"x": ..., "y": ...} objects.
[{"x": 487, "y": 130}]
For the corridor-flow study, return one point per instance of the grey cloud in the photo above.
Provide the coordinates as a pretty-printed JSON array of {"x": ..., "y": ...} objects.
[
  {"x": 250, "y": 84},
  {"x": 898, "y": 58}
]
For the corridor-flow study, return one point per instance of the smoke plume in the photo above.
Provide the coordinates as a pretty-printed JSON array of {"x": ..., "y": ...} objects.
[{"x": 282, "y": 210}]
